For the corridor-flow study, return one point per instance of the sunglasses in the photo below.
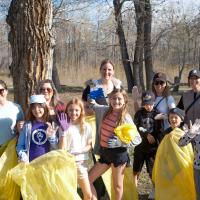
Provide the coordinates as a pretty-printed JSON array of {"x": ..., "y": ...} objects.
[
  {"x": 2, "y": 91},
  {"x": 159, "y": 83},
  {"x": 49, "y": 90}
]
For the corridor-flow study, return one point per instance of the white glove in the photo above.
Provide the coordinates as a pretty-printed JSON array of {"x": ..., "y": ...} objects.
[
  {"x": 23, "y": 157},
  {"x": 135, "y": 93},
  {"x": 194, "y": 129},
  {"x": 51, "y": 129},
  {"x": 142, "y": 129},
  {"x": 161, "y": 116}
]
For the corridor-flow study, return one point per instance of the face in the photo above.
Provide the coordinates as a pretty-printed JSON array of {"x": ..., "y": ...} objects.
[
  {"x": 117, "y": 101},
  {"x": 37, "y": 111},
  {"x": 74, "y": 112},
  {"x": 107, "y": 71},
  {"x": 3, "y": 93},
  {"x": 174, "y": 120},
  {"x": 149, "y": 108},
  {"x": 47, "y": 91},
  {"x": 194, "y": 83},
  {"x": 159, "y": 87}
]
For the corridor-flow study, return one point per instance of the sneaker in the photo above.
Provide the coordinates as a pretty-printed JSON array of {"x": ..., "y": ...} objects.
[{"x": 152, "y": 194}]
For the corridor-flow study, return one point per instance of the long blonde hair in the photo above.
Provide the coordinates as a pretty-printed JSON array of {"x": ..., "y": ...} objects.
[
  {"x": 78, "y": 102},
  {"x": 124, "y": 109}
]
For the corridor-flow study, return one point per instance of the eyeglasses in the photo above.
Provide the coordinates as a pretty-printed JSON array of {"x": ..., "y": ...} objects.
[
  {"x": 2, "y": 90},
  {"x": 159, "y": 83},
  {"x": 49, "y": 90}
]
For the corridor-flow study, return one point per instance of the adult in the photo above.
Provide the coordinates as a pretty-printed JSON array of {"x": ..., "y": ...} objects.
[
  {"x": 48, "y": 89},
  {"x": 190, "y": 100},
  {"x": 104, "y": 85},
  {"x": 10, "y": 116},
  {"x": 163, "y": 102}
]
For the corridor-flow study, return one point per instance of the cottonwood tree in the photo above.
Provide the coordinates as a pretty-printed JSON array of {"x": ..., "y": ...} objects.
[{"x": 31, "y": 39}]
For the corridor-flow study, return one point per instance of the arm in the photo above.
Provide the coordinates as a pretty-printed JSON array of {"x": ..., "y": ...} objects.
[
  {"x": 180, "y": 103},
  {"x": 62, "y": 142}
]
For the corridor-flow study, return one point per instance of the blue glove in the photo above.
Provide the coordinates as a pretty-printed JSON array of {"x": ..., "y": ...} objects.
[{"x": 96, "y": 93}]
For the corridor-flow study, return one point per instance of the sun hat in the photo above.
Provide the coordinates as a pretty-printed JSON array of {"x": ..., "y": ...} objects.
[{"x": 39, "y": 98}]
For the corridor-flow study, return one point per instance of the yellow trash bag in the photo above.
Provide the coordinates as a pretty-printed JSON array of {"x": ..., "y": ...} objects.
[
  {"x": 9, "y": 190},
  {"x": 3, "y": 147},
  {"x": 126, "y": 132},
  {"x": 48, "y": 177},
  {"x": 173, "y": 169}
]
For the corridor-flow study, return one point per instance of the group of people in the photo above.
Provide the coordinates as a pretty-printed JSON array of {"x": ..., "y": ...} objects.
[{"x": 49, "y": 124}]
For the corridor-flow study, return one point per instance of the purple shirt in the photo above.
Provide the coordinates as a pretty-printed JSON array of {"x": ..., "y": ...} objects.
[{"x": 39, "y": 144}]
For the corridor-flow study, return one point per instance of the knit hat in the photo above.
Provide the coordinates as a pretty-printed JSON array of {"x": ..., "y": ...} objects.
[
  {"x": 160, "y": 77},
  {"x": 194, "y": 72},
  {"x": 37, "y": 99},
  {"x": 148, "y": 98},
  {"x": 178, "y": 112}
]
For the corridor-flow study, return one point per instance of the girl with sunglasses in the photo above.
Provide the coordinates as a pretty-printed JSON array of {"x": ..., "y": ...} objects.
[{"x": 11, "y": 115}]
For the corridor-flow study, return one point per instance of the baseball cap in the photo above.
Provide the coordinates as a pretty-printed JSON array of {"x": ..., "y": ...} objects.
[
  {"x": 160, "y": 77},
  {"x": 194, "y": 72},
  {"x": 148, "y": 98},
  {"x": 39, "y": 98},
  {"x": 178, "y": 112}
]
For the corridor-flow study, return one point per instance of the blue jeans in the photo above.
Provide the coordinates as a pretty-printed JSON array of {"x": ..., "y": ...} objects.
[{"x": 197, "y": 182}]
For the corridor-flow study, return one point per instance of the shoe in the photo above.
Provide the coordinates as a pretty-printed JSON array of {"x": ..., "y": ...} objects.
[{"x": 152, "y": 194}]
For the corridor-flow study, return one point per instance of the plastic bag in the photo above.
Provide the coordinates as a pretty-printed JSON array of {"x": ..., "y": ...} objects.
[
  {"x": 130, "y": 191},
  {"x": 9, "y": 190},
  {"x": 173, "y": 169},
  {"x": 48, "y": 177},
  {"x": 126, "y": 132}
]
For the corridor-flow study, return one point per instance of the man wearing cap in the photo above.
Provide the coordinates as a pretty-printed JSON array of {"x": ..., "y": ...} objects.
[{"x": 190, "y": 100}]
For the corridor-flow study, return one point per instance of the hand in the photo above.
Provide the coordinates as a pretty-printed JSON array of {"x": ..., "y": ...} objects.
[
  {"x": 142, "y": 129},
  {"x": 23, "y": 157},
  {"x": 51, "y": 129},
  {"x": 114, "y": 142},
  {"x": 161, "y": 116},
  {"x": 135, "y": 93},
  {"x": 20, "y": 125},
  {"x": 194, "y": 129},
  {"x": 62, "y": 118},
  {"x": 150, "y": 139}
]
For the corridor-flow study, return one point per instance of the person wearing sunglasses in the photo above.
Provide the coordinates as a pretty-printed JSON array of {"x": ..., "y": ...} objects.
[
  {"x": 11, "y": 115},
  {"x": 190, "y": 100},
  {"x": 163, "y": 102}
]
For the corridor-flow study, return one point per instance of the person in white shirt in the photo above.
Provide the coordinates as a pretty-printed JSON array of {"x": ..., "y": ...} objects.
[{"x": 77, "y": 140}]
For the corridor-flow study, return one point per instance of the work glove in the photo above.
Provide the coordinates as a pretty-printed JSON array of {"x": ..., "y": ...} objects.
[{"x": 62, "y": 119}]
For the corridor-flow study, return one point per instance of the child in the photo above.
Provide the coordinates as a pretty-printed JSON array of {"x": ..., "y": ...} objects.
[
  {"x": 193, "y": 135},
  {"x": 148, "y": 128},
  {"x": 37, "y": 136},
  {"x": 113, "y": 153},
  {"x": 77, "y": 140},
  {"x": 173, "y": 171}
]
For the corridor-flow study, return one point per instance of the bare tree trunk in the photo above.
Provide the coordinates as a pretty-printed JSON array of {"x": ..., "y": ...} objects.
[
  {"x": 147, "y": 44},
  {"x": 138, "y": 54},
  {"x": 123, "y": 46},
  {"x": 32, "y": 45}
]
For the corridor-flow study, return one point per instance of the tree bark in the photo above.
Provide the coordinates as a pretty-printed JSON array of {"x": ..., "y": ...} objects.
[
  {"x": 32, "y": 42},
  {"x": 147, "y": 44},
  {"x": 123, "y": 46}
]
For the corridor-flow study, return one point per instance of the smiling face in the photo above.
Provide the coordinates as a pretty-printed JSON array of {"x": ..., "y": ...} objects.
[
  {"x": 159, "y": 87},
  {"x": 174, "y": 120},
  {"x": 47, "y": 91},
  {"x": 117, "y": 101},
  {"x": 38, "y": 111},
  {"x": 74, "y": 112},
  {"x": 3, "y": 93},
  {"x": 194, "y": 83},
  {"x": 107, "y": 71}
]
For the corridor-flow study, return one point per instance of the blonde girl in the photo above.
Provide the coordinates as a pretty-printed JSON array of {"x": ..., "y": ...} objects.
[
  {"x": 77, "y": 140},
  {"x": 112, "y": 152}
]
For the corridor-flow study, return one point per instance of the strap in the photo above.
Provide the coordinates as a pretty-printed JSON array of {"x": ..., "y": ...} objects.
[
  {"x": 158, "y": 103},
  {"x": 188, "y": 108}
]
